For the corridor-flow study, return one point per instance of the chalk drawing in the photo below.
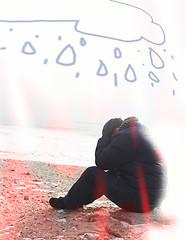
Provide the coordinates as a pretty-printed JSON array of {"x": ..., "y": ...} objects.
[
  {"x": 69, "y": 52},
  {"x": 175, "y": 77},
  {"x": 115, "y": 80},
  {"x": 115, "y": 30},
  {"x": 156, "y": 60},
  {"x": 153, "y": 77},
  {"x": 120, "y": 30},
  {"x": 28, "y": 48},
  {"x": 117, "y": 53},
  {"x": 102, "y": 70},
  {"x": 82, "y": 42},
  {"x": 130, "y": 74}
]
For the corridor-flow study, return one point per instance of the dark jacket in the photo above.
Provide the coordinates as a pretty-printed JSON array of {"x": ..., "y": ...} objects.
[{"x": 132, "y": 157}]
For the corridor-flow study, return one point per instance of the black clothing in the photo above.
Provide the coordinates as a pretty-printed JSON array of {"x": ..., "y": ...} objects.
[
  {"x": 94, "y": 183},
  {"x": 128, "y": 172},
  {"x": 131, "y": 156}
]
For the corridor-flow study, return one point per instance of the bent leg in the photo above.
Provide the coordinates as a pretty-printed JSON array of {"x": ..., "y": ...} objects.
[
  {"x": 94, "y": 183},
  {"x": 118, "y": 193},
  {"x": 87, "y": 188}
]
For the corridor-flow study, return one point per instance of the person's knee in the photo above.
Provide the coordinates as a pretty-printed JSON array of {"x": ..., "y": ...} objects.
[{"x": 91, "y": 173}]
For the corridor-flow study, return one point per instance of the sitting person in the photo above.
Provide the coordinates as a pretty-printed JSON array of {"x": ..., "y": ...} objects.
[{"x": 128, "y": 171}]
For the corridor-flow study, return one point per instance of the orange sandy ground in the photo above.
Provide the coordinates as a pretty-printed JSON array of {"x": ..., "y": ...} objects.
[{"x": 25, "y": 188}]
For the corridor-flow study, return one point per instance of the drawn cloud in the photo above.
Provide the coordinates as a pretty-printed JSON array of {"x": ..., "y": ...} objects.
[
  {"x": 110, "y": 19},
  {"x": 123, "y": 22}
]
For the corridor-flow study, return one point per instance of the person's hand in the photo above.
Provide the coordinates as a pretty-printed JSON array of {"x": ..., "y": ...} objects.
[{"x": 110, "y": 126}]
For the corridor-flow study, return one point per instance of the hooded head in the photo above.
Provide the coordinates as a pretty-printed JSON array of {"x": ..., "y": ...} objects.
[{"x": 129, "y": 122}]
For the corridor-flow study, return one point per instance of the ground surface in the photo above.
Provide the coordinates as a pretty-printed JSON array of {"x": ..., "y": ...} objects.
[{"x": 25, "y": 189}]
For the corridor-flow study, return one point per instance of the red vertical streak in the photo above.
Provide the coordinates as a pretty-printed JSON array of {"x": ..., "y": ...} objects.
[
  {"x": 101, "y": 223},
  {"x": 10, "y": 203},
  {"x": 141, "y": 179},
  {"x": 18, "y": 194},
  {"x": 100, "y": 186},
  {"x": 133, "y": 132},
  {"x": 101, "y": 215},
  {"x": 143, "y": 190}
]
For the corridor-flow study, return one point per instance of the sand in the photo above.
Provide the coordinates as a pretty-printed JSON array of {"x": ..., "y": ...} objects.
[{"x": 25, "y": 189}]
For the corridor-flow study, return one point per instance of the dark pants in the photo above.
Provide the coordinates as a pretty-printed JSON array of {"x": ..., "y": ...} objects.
[{"x": 94, "y": 183}]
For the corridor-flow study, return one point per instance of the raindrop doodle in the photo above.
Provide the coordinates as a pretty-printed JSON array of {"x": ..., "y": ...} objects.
[
  {"x": 117, "y": 53},
  {"x": 115, "y": 80},
  {"x": 156, "y": 60},
  {"x": 130, "y": 74},
  {"x": 175, "y": 77},
  {"x": 45, "y": 61},
  {"x": 82, "y": 42},
  {"x": 102, "y": 70},
  {"x": 67, "y": 56},
  {"x": 77, "y": 75},
  {"x": 28, "y": 48},
  {"x": 153, "y": 77}
]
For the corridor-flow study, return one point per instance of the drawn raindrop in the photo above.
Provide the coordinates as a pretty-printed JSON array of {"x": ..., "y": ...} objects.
[
  {"x": 59, "y": 38},
  {"x": 45, "y": 61},
  {"x": 117, "y": 53},
  {"x": 83, "y": 42},
  {"x": 130, "y": 74},
  {"x": 153, "y": 77},
  {"x": 67, "y": 56},
  {"x": 11, "y": 29},
  {"x": 3, "y": 48},
  {"x": 28, "y": 48},
  {"x": 176, "y": 81},
  {"x": 175, "y": 77},
  {"x": 37, "y": 36},
  {"x": 115, "y": 80},
  {"x": 172, "y": 57},
  {"x": 102, "y": 70},
  {"x": 156, "y": 60},
  {"x": 77, "y": 75}
]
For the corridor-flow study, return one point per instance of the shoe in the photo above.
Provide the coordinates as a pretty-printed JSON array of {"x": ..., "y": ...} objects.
[{"x": 57, "y": 203}]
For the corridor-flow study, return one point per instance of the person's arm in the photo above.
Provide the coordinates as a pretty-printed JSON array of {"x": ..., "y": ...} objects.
[{"x": 112, "y": 154}]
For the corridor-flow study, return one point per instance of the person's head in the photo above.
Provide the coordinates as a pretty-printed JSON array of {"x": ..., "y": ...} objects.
[
  {"x": 128, "y": 122},
  {"x": 112, "y": 126},
  {"x": 116, "y": 123}
]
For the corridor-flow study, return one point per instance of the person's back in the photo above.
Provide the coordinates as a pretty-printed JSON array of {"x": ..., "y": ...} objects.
[{"x": 131, "y": 157}]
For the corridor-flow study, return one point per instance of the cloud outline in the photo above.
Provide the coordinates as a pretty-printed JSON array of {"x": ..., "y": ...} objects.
[
  {"x": 76, "y": 26},
  {"x": 122, "y": 40}
]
